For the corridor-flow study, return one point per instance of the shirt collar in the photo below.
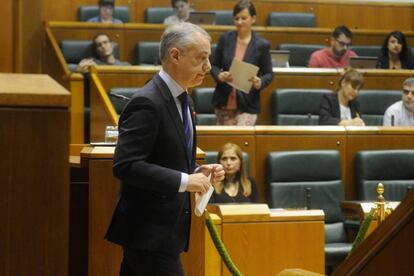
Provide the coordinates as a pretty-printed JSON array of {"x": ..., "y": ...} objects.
[{"x": 174, "y": 87}]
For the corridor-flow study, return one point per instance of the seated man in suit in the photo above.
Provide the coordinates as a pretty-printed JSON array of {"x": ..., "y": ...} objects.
[
  {"x": 182, "y": 12},
  {"x": 106, "y": 10},
  {"x": 337, "y": 56},
  {"x": 104, "y": 54},
  {"x": 401, "y": 113}
]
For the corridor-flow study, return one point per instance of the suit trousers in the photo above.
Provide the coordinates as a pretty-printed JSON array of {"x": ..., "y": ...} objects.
[{"x": 148, "y": 263}]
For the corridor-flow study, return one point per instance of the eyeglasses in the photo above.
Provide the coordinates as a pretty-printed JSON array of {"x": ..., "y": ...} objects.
[
  {"x": 406, "y": 92},
  {"x": 344, "y": 44}
]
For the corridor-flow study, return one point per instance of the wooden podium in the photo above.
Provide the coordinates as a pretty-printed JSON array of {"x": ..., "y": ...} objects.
[
  {"x": 34, "y": 176},
  {"x": 260, "y": 241}
]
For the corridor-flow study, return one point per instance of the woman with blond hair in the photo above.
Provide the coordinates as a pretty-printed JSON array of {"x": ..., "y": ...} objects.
[
  {"x": 341, "y": 108},
  {"x": 237, "y": 186}
]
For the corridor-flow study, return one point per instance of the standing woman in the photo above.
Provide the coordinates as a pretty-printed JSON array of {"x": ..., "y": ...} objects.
[
  {"x": 237, "y": 186},
  {"x": 395, "y": 53},
  {"x": 341, "y": 108},
  {"x": 233, "y": 107}
]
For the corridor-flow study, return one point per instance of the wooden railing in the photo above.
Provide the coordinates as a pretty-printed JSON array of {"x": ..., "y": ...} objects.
[{"x": 389, "y": 249}]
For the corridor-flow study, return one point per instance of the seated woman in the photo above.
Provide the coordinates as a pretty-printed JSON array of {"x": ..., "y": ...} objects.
[
  {"x": 341, "y": 108},
  {"x": 395, "y": 53},
  {"x": 236, "y": 186}
]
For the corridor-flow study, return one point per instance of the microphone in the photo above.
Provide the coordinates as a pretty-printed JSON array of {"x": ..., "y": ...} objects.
[
  {"x": 119, "y": 96},
  {"x": 308, "y": 198},
  {"x": 310, "y": 118},
  {"x": 392, "y": 120}
]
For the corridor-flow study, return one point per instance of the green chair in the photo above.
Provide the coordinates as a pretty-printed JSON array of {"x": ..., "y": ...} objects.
[
  {"x": 202, "y": 97},
  {"x": 312, "y": 179},
  {"x": 147, "y": 52},
  {"x": 393, "y": 168},
  {"x": 367, "y": 50},
  {"x": 296, "y": 106},
  {"x": 156, "y": 15},
  {"x": 374, "y": 103},
  {"x": 120, "y": 96},
  {"x": 75, "y": 50},
  {"x": 87, "y": 12},
  {"x": 299, "y": 53},
  {"x": 224, "y": 17},
  {"x": 292, "y": 19}
]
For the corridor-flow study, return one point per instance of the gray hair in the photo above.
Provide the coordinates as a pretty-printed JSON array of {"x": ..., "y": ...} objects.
[
  {"x": 179, "y": 35},
  {"x": 408, "y": 82}
]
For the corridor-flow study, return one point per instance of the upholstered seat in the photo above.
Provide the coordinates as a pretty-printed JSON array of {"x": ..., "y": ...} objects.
[
  {"x": 299, "y": 53},
  {"x": 157, "y": 14},
  {"x": 374, "y": 103},
  {"x": 296, "y": 106},
  {"x": 367, "y": 50},
  {"x": 296, "y": 179},
  {"x": 393, "y": 168},
  {"x": 87, "y": 12},
  {"x": 224, "y": 17},
  {"x": 120, "y": 96},
  {"x": 202, "y": 97},
  {"x": 148, "y": 52},
  {"x": 292, "y": 19},
  {"x": 75, "y": 50}
]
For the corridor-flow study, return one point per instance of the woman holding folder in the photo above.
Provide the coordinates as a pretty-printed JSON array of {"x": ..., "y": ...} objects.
[
  {"x": 232, "y": 106},
  {"x": 341, "y": 108}
]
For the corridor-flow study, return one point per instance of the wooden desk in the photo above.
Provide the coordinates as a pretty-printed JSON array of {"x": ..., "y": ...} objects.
[
  {"x": 264, "y": 242},
  {"x": 34, "y": 176},
  {"x": 105, "y": 77},
  {"x": 260, "y": 140},
  {"x": 272, "y": 240}
]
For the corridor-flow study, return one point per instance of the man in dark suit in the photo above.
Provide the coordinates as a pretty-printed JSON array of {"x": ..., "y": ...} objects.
[{"x": 155, "y": 159}]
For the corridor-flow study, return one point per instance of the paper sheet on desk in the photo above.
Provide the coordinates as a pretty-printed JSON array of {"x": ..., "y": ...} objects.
[
  {"x": 241, "y": 72},
  {"x": 202, "y": 200}
]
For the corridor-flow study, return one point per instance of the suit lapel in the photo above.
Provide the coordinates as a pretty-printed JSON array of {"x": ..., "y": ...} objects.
[{"x": 172, "y": 110}]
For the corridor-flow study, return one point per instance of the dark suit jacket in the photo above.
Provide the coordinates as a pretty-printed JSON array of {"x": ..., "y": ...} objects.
[
  {"x": 329, "y": 111},
  {"x": 257, "y": 53},
  {"x": 150, "y": 155}
]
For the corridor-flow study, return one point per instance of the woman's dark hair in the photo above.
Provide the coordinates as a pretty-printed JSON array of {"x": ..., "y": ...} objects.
[
  {"x": 405, "y": 53},
  {"x": 244, "y": 4}
]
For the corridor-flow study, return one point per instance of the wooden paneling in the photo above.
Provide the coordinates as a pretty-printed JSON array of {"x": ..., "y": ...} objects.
[
  {"x": 365, "y": 16},
  {"x": 34, "y": 179},
  {"x": 6, "y": 41},
  {"x": 103, "y": 190}
]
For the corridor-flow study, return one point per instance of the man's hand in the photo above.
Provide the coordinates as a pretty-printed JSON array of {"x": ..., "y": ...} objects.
[
  {"x": 198, "y": 182},
  {"x": 84, "y": 65},
  {"x": 216, "y": 170}
]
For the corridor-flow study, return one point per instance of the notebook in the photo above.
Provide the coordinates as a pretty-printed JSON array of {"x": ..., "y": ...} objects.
[
  {"x": 363, "y": 62},
  {"x": 203, "y": 18},
  {"x": 280, "y": 58}
]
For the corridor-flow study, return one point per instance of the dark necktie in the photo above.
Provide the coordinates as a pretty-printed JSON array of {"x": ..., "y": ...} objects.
[{"x": 183, "y": 97}]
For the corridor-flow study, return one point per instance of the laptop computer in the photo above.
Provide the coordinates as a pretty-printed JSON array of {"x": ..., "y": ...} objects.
[
  {"x": 280, "y": 58},
  {"x": 202, "y": 18},
  {"x": 363, "y": 62}
]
